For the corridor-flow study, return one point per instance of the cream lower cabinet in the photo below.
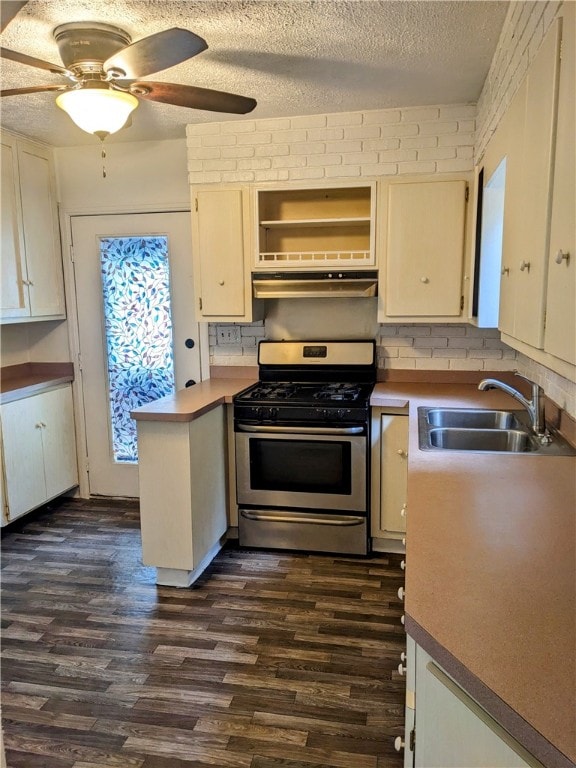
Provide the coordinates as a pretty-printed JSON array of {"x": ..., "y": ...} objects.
[
  {"x": 221, "y": 254},
  {"x": 422, "y": 226},
  {"x": 39, "y": 450},
  {"x": 182, "y": 467},
  {"x": 389, "y": 478},
  {"x": 451, "y": 729},
  {"x": 32, "y": 285}
]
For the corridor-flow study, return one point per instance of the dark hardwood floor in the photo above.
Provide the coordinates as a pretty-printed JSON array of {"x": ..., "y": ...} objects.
[{"x": 272, "y": 660}]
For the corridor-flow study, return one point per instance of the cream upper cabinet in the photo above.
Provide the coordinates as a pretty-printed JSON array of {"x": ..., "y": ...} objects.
[
  {"x": 389, "y": 456},
  {"x": 39, "y": 450},
  {"x": 530, "y": 127},
  {"x": 422, "y": 236},
  {"x": 32, "y": 280},
  {"x": 14, "y": 292},
  {"x": 560, "y": 329},
  {"x": 314, "y": 228},
  {"x": 220, "y": 248}
]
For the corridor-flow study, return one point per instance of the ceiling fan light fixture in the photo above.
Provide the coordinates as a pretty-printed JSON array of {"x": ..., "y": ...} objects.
[{"x": 97, "y": 110}]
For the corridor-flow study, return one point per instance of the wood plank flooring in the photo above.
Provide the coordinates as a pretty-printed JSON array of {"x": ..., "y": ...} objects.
[{"x": 273, "y": 660}]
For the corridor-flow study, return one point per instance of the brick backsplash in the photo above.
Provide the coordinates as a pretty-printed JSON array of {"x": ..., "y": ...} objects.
[
  {"x": 407, "y": 346},
  {"x": 422, "y": 347}
]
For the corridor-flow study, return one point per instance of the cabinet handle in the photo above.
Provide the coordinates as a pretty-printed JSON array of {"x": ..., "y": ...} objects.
[
  {"x": 403, "y": 564},
  {"x": 220, "y": 282},
  {"x": 505, "y": 271},
  {"x": 403, "y": 511},
  {"x": 424, "y": 280},
  {"x": 403, "y": 656},
  {"x": 402, "y": 619},
  {"x": 401, "y": 452},
  {"x": 401, "y": 669},
  {"x": 561, "y": 256},
  {"x": 401, "y": 593},
  {"x": 38, "y": 425},
  {"x": 524, "y": 266},
  {"x": 398, "y": 744}
]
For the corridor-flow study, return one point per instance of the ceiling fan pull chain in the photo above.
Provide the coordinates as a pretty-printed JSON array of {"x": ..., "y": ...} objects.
[{"x": 102, "y": 135}]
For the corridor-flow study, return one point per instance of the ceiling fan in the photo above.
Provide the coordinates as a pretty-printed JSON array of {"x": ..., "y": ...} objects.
[{"x": 103, "y": 66}]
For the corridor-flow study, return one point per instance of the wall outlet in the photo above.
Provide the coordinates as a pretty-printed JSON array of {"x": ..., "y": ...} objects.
[{"x": 228, "y": 334}]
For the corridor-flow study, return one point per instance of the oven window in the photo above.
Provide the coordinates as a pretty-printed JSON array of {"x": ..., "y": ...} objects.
[{"x": 307, "y": 466}]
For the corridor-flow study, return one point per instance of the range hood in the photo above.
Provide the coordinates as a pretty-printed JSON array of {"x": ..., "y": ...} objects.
[{"x": 315, "y": 285}]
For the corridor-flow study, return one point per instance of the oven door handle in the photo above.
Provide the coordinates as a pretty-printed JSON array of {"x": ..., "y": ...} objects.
[
  {"x": 278, "y": 517},
  {"x": 300, "y": 430}
]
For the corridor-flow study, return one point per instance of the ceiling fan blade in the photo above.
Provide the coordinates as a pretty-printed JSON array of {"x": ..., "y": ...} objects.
[
  {"x": 193, "y": 97},
  {"x": 156, "y": 52},
  {"x": 34, "y": 89},
  {"x": 9, "y": 9},
  {"x": 22, "y": 58}
]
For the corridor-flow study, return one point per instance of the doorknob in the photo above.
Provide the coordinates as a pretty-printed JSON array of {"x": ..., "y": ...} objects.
[{"x": 190, "y": 343}]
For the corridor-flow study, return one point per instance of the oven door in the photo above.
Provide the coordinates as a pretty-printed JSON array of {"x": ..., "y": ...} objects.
[{"x": 302, "y": 467}]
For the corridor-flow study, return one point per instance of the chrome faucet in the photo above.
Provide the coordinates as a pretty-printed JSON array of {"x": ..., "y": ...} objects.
[{"x": 535, "y": 406}]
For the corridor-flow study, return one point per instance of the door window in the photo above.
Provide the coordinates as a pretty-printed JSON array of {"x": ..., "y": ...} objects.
[{"x": 138, "y": 325}]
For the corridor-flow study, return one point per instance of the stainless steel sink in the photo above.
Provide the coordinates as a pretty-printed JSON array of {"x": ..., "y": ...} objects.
[
  {"x": 472, "y": 418},
  {"x": 510, "y": 440},
  {"x": 484, "y": 430}
]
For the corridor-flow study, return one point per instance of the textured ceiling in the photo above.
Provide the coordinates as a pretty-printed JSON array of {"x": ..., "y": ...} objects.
[{"x": 295, "y": 57}]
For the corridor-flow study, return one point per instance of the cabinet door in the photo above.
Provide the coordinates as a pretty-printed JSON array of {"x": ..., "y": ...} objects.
[
  {"x": 41, "y": 233},
  {"x": 528, "y": 194},
  {"x": 23, "y": 455},
  {"x": 425, "y": 249},
  {"x": 452, "y": 730},
  {"x": 393, "y": 471},
  {"x": 389, "y": 474},
  {"x": 14, "y": 301},
  {"x": 219, "y": 230},
  {"x": 560, "y": 332},
  {"x": 58, "y": 441}
]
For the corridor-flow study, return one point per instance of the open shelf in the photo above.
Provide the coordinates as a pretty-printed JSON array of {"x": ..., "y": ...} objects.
[
  {"x": 316, "y": 226},
  {"x": 287, "y": 224}
]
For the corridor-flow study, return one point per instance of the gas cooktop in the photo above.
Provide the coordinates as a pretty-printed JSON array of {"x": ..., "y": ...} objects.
[{"x": 288, "y": 393}]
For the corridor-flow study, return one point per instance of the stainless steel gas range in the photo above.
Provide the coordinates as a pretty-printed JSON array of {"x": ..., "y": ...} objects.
[{"x": 302, "y": 447}]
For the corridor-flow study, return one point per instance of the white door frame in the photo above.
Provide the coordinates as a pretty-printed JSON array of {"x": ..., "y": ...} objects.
[{"x": 74, "y": 332}]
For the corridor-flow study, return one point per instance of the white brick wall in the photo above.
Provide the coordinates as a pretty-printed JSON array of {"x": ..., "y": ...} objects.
[
  {"x": 438, "y": 139},
  {"x": 524, "y": 28},
  {"x": 420, "y": 347},
  {"x": 345, "y": 145}
]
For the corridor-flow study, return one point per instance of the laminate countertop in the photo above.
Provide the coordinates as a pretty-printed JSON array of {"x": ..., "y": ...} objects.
[
  {"x": 189, "y": 404},
  {"x": 491, "y": 563},
  {"x": 491, "y": 573},
  {"x": 28, "y": 379}
]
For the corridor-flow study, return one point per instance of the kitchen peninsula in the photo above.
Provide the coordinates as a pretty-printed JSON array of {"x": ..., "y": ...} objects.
[{"x": 491, "y": 551}]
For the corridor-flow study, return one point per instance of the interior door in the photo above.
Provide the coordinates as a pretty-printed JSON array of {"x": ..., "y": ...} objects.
[{"x": 112, "y": 473}]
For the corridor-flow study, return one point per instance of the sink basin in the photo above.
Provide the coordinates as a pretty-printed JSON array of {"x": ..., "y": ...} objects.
[
  {"x": 485, "y": 430},
  {"x": 510, "y": 440},
  {"x": 472, "y": 418}
]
